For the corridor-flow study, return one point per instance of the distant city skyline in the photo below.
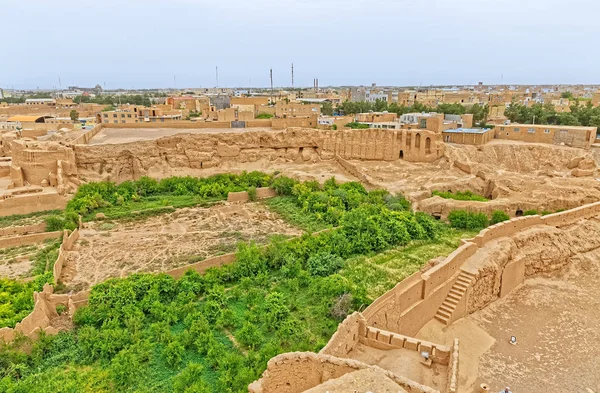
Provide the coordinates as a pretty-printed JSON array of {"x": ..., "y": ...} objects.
[{"x": 144, "y": 44}]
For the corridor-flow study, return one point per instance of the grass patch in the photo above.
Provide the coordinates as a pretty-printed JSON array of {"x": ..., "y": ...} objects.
[
  {"x": 26, "y": 219},
  {"x": 379, "y": 273},
  {"x": 460, "y": 195},
  {"x": 288, "y": 209}
]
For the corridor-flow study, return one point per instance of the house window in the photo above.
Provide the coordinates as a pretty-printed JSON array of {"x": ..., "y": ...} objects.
[
  {"x": 423, "y": 123},
  {"x": 122, "y": 115},
  {"x": 116, "y": 121},
  {"x": 129, "y": 115},
  {"x": 546, "y": 131},
  {"x": 106, "y": 115},
  {"x": 501, "y": 128},
  {"x": 114, "y": 115},
  {"x": 122, "y": 121},
  {"x": 531, "y": 131},
  {"x": 517, "y": 129}
]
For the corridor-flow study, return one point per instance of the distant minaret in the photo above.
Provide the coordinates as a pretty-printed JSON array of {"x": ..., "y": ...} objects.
[
  {"x": 271, "y": 75},
  {"x": 292, "y": 76},
  {"x": 217, "y": 75}
]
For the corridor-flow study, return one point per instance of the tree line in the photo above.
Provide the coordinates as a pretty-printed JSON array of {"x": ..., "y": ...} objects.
[{"x": 480, "y": 112}]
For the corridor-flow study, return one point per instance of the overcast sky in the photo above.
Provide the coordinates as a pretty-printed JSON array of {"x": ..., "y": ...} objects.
[{"x": 145, "y": 43}]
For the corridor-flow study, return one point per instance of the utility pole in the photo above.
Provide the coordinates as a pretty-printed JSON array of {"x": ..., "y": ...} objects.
[
  {"x": 292, "y": 76},
  {"x": 271, "y": 75}
]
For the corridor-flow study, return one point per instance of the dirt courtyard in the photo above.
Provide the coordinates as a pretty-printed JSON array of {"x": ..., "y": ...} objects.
[
  {"x": 162, "y": 243},
  {"x": 556, "y": 321},
  {"x": 126, "y": 135}
]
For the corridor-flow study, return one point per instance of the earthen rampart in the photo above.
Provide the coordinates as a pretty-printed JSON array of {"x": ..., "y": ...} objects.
[
  {"x": 23, "y": 230},
  {"x": 33, "y": 238},
  {"x": 296, "y": 372},
  {"x": 67, "y": 245}
]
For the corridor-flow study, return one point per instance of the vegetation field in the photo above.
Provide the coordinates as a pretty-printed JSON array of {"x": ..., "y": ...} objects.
[
  {"x": 215, "y": 332},
  {"x": 460, "y": 196}
]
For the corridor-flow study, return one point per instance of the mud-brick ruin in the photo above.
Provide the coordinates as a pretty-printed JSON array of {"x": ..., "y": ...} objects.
[{"x": 440, "y": 329}]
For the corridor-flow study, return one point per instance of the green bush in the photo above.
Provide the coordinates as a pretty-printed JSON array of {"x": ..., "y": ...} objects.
[
  {"x": 358, "y": 126},
  {"x": 334, "y": 127},
  {"x": 460, "y": 196},
  {"x": 324, "y": 264},
  {"x": 252, "y": 194},
  {"x": 462, "y": 219},
  {"x": 499, "y": 216},
  {"x": 263, "y": 115},
  {"x": 530, "y": 212},
  {"x": 60, "y": 309}
]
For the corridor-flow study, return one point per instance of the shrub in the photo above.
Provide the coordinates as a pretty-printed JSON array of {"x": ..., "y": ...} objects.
[
  {"x": 173, "y": 353},
  {"x": 460, "y": 196},
  {"x": 263, "y": 115},
  {"x": 467, "y": 220},
  {"x": 334, "y": 127},
  {"x": 324, "y": 264},
  {"x": 530, "y": 212},
  {"x": 54, "y": 223},
  {"x": 190, "y": 380},
  {"x": 60, "y": 309},
  {"x": 283, "y": 185},
  {"x": 342, "y": 306},
  {"x": 499, "y": 216},
  {"x": 355, "y": 125},
  {"x": 252, "y": 194}
]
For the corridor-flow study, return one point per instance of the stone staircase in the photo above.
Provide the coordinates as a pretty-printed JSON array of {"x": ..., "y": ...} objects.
[{"x": 444, "y": 313}]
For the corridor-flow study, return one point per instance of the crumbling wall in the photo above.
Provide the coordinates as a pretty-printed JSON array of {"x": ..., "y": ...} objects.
[
  {"x": 296, "y": 372},
  {"x": 67, "y": 245},
  {"x": 23, "y": 230},
  {"x": 242, "y": 196},
  {"x": 30, "y": 203},
  {"x": 28, "y": 239},
  {"x": 347, "y": 336}
]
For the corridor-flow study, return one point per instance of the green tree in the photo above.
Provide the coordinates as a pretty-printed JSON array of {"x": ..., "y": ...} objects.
[
  {"x": 74, "y": 115},
  {"x": 327, "y": 108}
]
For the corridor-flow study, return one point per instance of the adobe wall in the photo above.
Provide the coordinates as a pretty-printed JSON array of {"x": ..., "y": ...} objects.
[
  {"x": 87, "y": 136},
  {"x": 440, "y": 273},
  {"x": 384, "y": 145},
  {"x": 33, "y": 238},
  {"x": 506, "y": 228},
  {"x": 453, "y": 368},
  {"x": 25, "y": 204},
  {"x": 242, "y": 196},
  {"x": 347, "y": 336},
  {"x": 67, "y": 245},
  {"x": 22, "y": 230},
  {"x": 385, "y": 340},
  {"x": 296, "y": 372}
]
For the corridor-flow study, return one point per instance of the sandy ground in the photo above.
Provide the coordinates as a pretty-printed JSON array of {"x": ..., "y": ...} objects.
[
  {"x": 410, "y": 366},
  {"x": 366, "y": 380},
  {"x": 557, "y": 324},
  {"x": 15, "y": 261},
  {"x": 126, "y": 135},
  {"x": 168, "y": 241}
]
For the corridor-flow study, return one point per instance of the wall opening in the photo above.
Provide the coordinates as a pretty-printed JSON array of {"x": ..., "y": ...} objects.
[
  {"x": 401, "y": 155},
  {"x": 418, "y": 140},
  {"x": 427, "y": 145},
  {"x": 519, "y": 213},
  {"x": 200, "y": 164}
]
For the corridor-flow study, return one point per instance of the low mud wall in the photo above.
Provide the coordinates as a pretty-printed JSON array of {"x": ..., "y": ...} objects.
[
  {"x": 296, "y": 372},
  {"x": 25, "y": 204},
  {"x": 67, "y": 245},
  {"x": 453, "y": 369},
  {"x": 23, "y": 230},
  {"x": 506, "y": 228},
  {"x": 87, "y": 136},
  {"x": 382, "y": 339},
  {"x": 33, "y": 238},
  {"x": 242, "y": 196},
  {"x": 204, "y": 265},
  {"x": 44, "y": 311},
  {"x": 347, "y": 336}
]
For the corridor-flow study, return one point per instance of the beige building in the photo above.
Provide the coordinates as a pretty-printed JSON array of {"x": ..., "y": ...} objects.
[
  {"x": 573, "y": 136},
  {"x": 138, "y": 114},
  {"x": 468, "y": 136},
  {"x": 285, "y": 110},
  {"x": 376, "y": 117}
]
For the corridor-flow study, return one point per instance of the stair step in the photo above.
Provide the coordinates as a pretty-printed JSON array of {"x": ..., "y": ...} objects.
[
  {"x": 444, "y": 313},
  {"x": 452, "y": 301},
  {"x": 461, "y": 286},
  {"x": 457, "y": 293},
  {"x": 442, "y": 319},
  {"x": 446, "y": 308},
  {"x": 463, "y": 280},
  {"x": 468, "y": 274}
]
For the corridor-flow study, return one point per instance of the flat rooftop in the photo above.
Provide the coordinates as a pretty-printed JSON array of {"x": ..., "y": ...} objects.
[{"x": 468, "y": 130}]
